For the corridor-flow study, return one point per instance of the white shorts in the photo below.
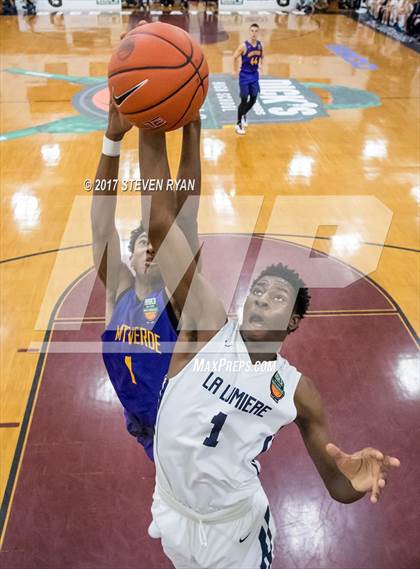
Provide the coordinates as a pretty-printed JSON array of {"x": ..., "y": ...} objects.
[{"x": 246, "y": 543}]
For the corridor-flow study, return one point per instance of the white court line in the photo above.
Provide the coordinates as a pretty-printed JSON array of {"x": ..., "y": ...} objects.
[
  {"x": 176, "y": 13},
  {"x": 193, "y": 12},
  {"x": 94, "y": 13},
  {"x": 43, "y": 13},
  {"x": 227, "y": 13},
  {"x": 156, "y": 12},
  {"x": 75, "y": 13},
  {"x": 262, "y": 13},
  {"x": 244, "y": 12}
]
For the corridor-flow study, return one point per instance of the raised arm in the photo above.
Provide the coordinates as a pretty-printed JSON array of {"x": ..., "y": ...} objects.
[
  {"x": 346, "y": 477},
  {"x": 106, "y": 243},
  {"x": 174, "y": 254},
  {"x": 189, "y": 172}
]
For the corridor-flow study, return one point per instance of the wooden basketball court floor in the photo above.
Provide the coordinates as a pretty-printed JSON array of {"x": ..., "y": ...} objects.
[{"x": 344, "y": 188}]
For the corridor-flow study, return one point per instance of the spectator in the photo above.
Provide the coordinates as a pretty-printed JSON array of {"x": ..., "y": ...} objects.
[
  {"x": 9, "y": 8},
  {"x": 413, "y": 20}
]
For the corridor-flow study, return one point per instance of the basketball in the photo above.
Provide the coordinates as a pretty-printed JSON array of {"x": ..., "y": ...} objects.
[{"x": 158, "y": 77}]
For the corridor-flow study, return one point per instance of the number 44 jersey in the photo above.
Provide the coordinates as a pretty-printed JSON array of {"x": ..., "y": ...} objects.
[{"x": 215, "y": 417}]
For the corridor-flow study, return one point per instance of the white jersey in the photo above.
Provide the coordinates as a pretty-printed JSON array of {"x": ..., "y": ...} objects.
[{"x": 215, "y": 417}]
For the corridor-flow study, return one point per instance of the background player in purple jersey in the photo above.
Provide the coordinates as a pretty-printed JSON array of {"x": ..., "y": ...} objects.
[
  {"x": 141, "y": 319},
  {"x": 251, "y": 53}
]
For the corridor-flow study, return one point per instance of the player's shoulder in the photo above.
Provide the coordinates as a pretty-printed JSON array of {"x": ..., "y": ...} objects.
[
  {"x": 124, "y": 296},
  {"x": 117, "y": 304},
  {"x": 125, "y": 281},
  {"x": 306, "y": 387},
  {"x": 307, "y": 399}
]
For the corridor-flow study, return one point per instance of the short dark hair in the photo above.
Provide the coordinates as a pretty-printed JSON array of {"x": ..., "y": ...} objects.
[
  {"x": 134, "y": 235},
  {"x": 303, "y": 297},
  {"x": 254, "y": 26}
]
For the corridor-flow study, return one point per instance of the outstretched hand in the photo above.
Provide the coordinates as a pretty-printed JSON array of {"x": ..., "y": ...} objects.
[{"x": 366, "y": 469}]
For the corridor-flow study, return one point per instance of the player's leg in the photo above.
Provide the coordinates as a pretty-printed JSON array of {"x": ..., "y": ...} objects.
[
  {"x": 250, "y": 103},
  {"x": 175, "y": 532},
  {"x": 261, "y": 552},
  {"x": 260, "y": 549},
  {"x": 241, "y": 112},
  {"x": 189, "y": 174},
  {"x": 244, "y": 94},
  {"x": 254, "y": 89},
  {"x": 247, "y": 543}
]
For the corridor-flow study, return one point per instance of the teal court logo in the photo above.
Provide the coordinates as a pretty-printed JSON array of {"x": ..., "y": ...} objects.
[{"x": 280, "y": 101}]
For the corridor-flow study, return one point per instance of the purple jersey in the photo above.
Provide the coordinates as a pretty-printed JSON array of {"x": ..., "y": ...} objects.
[
  {"x": 137, "y": 348},
  {"x": 250, "y": 61}
]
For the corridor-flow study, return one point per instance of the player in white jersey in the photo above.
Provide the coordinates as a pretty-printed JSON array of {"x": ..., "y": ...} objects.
[{"x": 227, "y": 394}]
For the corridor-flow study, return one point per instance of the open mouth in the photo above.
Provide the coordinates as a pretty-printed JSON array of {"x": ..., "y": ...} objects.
[
  {"x": 256, "y": 321},
  {"x": 149, "y": 263}
]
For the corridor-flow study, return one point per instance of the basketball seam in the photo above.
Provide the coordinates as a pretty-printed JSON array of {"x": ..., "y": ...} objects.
[
  {"x": 202, "y": 79},
  {"x": 199, "y": 67},
  {"x": 188, "y": 57},
  {"x": 169, "y": 96},
  {"x": 168, "y": 41},
  {"x": 192, "y": 52},
  {"x": 148, "y": 67},
  {"x": 191, "y": 100}
]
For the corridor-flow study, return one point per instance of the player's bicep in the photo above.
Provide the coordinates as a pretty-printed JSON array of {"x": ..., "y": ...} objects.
[
  {"x": 125, "y": 280},
  {"x": 312, "y": 421},
  {"x": 239, "y": 51},
  {"x": 310, "y": 409},
  {"x": 311, "y": 415}
]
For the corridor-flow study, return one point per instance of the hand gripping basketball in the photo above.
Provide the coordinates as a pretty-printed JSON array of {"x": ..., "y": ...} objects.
[{"x": 158, "y": 77}]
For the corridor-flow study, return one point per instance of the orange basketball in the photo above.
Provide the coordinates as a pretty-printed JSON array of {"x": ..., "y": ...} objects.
[{"x": 158, "y": 77}]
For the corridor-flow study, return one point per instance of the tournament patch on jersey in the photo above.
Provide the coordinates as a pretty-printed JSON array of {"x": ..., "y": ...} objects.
[
  {"x": 150, "y": 309},
  {"x": 277, "y": 387}
]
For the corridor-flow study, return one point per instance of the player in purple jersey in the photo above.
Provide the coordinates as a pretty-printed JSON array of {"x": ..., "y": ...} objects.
[
  {"x": 251, "y": 53},
  {"x": 141, "y": 320}
]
